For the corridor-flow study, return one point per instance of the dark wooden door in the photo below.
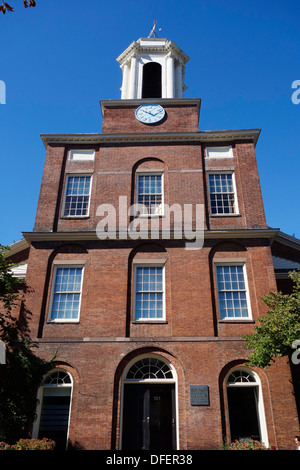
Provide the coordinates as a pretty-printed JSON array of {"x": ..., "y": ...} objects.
[
  {"x": 149, "y": 417},
  {"x": 243, "y": 413}
]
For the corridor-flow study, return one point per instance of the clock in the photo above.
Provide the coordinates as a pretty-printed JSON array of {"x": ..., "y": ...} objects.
[{"x": 150, "y": 113}]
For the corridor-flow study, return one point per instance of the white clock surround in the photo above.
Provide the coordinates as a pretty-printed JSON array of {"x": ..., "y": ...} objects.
[{"x": 150, "y": 113}]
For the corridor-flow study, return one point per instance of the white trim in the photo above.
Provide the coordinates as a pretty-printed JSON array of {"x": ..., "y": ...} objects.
[
  {"x": 82, "y": 154},
  {"x": 149, "y": 173},
  {"x": 219, "y": 152},
  {"x": 70, "y": 175},
  {"x": 63, "y": 264},
  {"x": 19, "y": 270},
  {"x": 157, "y": 263},
  {"x": 155, "y": 381},
  {"x": 229, "y": 262},
  {"x": 260, "y": 404},
  {"x": 236, "y": 206},
  {"x": 150, "y": 261},
  {"x": 208, "y": 234},
  {"x": 40, "y": 395},
  {"x": 199, "y": 136},
  {"x": 67, "y": 262}
]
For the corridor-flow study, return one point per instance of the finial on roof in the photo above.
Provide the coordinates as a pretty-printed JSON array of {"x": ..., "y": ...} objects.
[{"x": 153, "y": 32}]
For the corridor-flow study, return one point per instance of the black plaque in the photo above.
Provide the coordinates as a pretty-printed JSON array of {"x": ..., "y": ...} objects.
[{"x": 199, "y": 395}]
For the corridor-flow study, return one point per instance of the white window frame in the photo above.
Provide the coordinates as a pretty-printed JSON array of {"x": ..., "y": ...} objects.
[
  {"x": 150, "y": 173},
  {"x": 65, "y": 264},
  {"x": 260, "y": 401},
  {"x": 40, "y": 396},
  {"x": 234, "y": 263},
  {"x": 72, "y": 175},
  {"x": 219, "y": 152},
  {"x": 149, "y": 263},
  {"x": 82, "y": 154},
  {"x": 236, "y": 206}
]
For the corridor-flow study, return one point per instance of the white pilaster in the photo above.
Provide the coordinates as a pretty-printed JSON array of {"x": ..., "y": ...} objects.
[
  {"x": 170, "y": 75},
  {"x": 179, "y": 84},
  {"x": 124, "y": 93},
  {"x": 161, "y": 51},
  {"x": 133, "y": 75}
]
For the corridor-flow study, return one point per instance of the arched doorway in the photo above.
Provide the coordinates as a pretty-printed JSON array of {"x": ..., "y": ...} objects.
[
  {"x": 151, "y": 80},
  {"x": 54, "y": 408},
  {"x": 149, "y": 405},
  {"x": 245, "y": 406}
]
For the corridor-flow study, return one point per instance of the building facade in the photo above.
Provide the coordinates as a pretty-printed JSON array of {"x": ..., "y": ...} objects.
[{"x": 146, "y": 317}]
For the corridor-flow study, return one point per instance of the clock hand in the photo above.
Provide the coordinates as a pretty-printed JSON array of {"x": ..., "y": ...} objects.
[{"x": 148, "y": 112}]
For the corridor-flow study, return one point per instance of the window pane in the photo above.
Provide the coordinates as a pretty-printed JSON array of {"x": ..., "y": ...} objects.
[
  {"x": 149, "y": 292},
  {"x": 67, "y": 291},
  {"x": 150, "y": 193},
  {"x": 222, "y": 200},
  {"x": 77, "y": 196},
  {"x": 231, "y": 292}
]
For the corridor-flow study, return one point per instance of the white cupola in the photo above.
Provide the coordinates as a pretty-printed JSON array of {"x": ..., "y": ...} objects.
[{"x": 152, "y": 68}]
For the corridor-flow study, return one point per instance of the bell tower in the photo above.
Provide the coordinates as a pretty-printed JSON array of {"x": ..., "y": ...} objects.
[
  {"x": 152, "y": 90},
  {"x": 152, "y": 68}
]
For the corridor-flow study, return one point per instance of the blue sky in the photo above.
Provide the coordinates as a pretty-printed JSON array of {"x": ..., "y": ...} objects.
[{"x": 58, "y": 60}]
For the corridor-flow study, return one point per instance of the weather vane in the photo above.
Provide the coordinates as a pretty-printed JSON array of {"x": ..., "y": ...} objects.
[{"x": 153, "y": 32}]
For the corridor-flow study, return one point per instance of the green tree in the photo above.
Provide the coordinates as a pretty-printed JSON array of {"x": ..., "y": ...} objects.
[
  {"x": 4, "y": 7},
  {"x": 279, "y": 328},
  {"x": 23, "y": 371}
]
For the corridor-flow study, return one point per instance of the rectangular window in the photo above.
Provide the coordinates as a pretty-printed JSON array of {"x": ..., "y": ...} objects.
[
  {"x": 77, "y": 196},
  {"x": 149, "y": 293},
  {"x": 150, "y": 193},
  {"x": 232, "y": 292},
  {"x": 222, "y": 193},
  {"x": 66, "y": 293}
]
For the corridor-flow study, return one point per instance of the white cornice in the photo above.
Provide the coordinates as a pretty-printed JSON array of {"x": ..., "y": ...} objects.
[
  {"x": 92, "y": 235},
  {"x": 154, "y": 45},
  {"x": 127, "y": 103},
  {"x": 17, "y": 247},
  {"x": 200, "y": 136}
]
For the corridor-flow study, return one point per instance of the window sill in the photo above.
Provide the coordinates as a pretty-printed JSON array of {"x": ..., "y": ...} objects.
[
  {"x": 136, "y": 322},
  {"x": 150, "y": 216},
  {"x": 63, "y": 322},
  {"x": 225, "y": 215},
  {"x": 236, "y": 320},
  {"x": 71, "y": 217}
]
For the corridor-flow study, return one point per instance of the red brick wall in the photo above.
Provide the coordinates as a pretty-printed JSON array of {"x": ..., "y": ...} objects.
[
  {"x": 121, "y": 119},
  {"x": 185, "y": 182},
  {"x": 201, "y": 348}
]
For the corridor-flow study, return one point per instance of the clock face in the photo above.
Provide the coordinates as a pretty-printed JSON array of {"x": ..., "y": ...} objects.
[{"x": 150, "y": 113}]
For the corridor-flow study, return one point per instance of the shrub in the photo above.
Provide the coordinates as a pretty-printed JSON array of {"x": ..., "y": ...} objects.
[
  {"x": 247, "y": 444},
  {"x": 29, "y": 444}
]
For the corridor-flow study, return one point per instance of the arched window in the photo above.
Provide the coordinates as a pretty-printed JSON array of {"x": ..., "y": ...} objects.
[
  {"x": 149, "y": 368},
  {"x": 54, "y": 408},
  {"x": 151, "y": 80},
  {"x": 240, "y": 376},
  {"x": 245, "y": 406}
]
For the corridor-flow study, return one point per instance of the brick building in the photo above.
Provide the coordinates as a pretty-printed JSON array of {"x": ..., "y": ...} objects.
[{"x": 146, "y": 325}]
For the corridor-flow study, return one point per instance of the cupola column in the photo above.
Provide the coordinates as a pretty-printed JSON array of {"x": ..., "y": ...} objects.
[
  {"x": 179, "y": 84},
  {"x": 170, "y": 75},
  {"x": 126, "y": 69},
  {"x": 133, "y": 73},
  {"x": 165, "y": 79}
]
